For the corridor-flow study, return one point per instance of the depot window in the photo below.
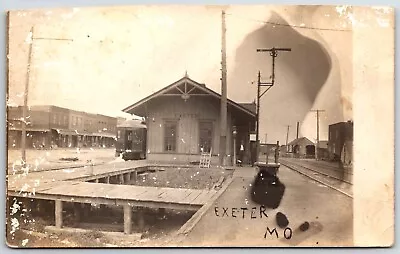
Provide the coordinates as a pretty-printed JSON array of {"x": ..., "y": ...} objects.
[
  {"x": 170, "y": 136},
  {"x": 206, "y": 136}
]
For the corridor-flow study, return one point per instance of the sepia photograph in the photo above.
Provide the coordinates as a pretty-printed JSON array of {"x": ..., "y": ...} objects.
[{"x": 200, "y": 126}]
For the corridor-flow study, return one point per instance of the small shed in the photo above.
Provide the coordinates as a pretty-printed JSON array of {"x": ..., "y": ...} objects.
[{"x": 302, "y": 148}]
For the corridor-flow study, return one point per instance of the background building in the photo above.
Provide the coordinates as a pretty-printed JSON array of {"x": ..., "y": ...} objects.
[
  {"x": 340, "y": 143},
  {"x": 106, "y": 128},
  {"x": 301, "y": 148},
  {"x": 50, "y": 126},
  {"x": 38, "y": 129}
]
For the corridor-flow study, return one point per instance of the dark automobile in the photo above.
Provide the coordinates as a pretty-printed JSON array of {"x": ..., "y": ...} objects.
[{"x": 267, "y": 189}]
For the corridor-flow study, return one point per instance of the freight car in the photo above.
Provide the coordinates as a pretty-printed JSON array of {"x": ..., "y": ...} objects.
[{"x": 131, "y": 140}]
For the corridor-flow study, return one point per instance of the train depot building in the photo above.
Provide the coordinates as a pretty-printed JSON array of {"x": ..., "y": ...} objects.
[{"x": 183, "y": 121}]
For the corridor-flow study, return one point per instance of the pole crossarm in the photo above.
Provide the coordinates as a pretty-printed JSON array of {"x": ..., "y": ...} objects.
[
  {"x": 274, "y": 49},
  {"x": 269, "y": 87},
  {"x": 51, "y": 39}
]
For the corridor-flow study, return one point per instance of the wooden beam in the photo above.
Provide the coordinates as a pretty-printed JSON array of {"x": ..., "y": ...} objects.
[
  {"x": 127, "y": 219},
  {"x": 179, "y": 89},
  {"x": 191, "y": 90},
  {"x": 58, "y": 213},
  {"x": 112, "y": 201}
]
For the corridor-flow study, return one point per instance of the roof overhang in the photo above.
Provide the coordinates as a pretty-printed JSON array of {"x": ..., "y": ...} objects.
[{"x": 202, "y": 90}]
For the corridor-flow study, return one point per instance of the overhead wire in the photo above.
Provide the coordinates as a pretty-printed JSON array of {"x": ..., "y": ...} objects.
[{"x": 287, "y": 25}]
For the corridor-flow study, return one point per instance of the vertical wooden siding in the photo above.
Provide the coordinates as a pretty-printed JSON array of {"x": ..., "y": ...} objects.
[{"x": 187, "y": 114}]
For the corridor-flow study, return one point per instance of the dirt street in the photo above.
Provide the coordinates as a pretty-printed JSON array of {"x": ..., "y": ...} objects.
[{"x": 44, "y": 159}]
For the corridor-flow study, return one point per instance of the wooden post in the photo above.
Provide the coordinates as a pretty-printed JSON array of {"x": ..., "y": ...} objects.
[
  {"x": 86, "y": 208},
  {"x": 134, "y": 176},
  {"x": 97, "y": 180},
  {"x": 121, "y": 178},
  {"x": 77, "y": 212},
  {"x": 140, "y": 216},
  {"x": 58, "y": 213},
  {"x": 128, "y": 177},
  {"x": 127, "y": 219},
  {"x": 107, "y": 179}
]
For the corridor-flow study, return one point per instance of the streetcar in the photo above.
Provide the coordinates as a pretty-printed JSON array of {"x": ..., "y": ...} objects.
[{"x": 131, "y": 140}]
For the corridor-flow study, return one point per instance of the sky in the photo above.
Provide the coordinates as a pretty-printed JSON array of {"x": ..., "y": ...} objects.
[{"x": 101, "y": 60}]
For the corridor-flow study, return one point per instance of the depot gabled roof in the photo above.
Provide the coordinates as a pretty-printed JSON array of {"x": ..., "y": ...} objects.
[{"x": 199, "y": 88}]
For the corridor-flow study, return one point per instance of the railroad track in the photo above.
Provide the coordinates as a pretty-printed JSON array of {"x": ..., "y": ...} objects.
[
  {"x": 327, "y": 167},
  {"x": 343, "y": 187},
  {"x": 322, "y": 173}
]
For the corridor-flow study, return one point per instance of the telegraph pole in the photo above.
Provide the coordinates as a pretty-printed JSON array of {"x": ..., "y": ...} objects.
[
  {"x": 273, "y": 52},
  {"x": 317, "y": 146},
  {"x": 222, "y": 141},
  {"x": 258, "y": 115},
  {"x": 287, "y": 137},
  {"x": 25, "y": 106},
  {"x": 266, "y": 147},
  {"x": 26, "y": 91}
]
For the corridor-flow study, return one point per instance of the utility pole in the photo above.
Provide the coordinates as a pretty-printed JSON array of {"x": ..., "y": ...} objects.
[
  {"x": 266, "y": 148},
  {"x": 273, "y": 52},
  {"x": 317, "y": 145},
  {"x": 26, "y": 91},
  {"x": 25, "y": 106},
  {"x": 222, "y": 141},
  {"x": 287, "y": 138}
]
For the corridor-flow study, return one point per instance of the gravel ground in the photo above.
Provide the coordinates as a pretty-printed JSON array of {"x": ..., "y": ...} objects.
[
  {"x": 43, "y": 157},
  {"x": 181, "y": 177}
]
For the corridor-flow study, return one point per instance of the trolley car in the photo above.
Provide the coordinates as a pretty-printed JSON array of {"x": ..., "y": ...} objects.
[{"x": 131, "y": 140}]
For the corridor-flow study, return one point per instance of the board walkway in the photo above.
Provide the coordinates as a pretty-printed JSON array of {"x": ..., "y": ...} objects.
[{"x": 70, "y": 185}]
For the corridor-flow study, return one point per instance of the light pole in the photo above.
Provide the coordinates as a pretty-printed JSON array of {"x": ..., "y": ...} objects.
[{"x": 234, "y": 132}]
